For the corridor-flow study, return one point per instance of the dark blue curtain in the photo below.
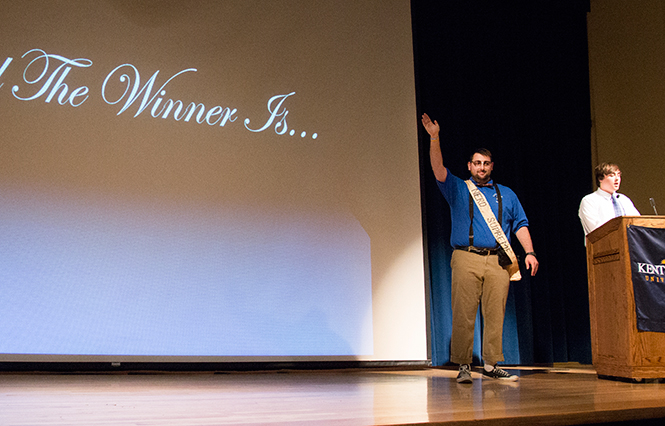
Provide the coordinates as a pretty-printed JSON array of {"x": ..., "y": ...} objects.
[{"x": 512, "y": 76}]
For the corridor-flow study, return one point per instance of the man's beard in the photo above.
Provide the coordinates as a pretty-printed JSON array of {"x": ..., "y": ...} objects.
[{"x": 478, "y": 179}]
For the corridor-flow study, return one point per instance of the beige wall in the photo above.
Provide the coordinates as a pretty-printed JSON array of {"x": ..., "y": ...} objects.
[{"x": 627, "y": 78}]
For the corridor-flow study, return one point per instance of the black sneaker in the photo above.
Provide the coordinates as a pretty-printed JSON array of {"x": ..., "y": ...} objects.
[
  {"x": 464, "y": 375},
  {"x": 498, "y": 373}
]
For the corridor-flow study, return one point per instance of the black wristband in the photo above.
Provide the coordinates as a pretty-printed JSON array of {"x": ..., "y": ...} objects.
[{"x": 532, "y": 254}]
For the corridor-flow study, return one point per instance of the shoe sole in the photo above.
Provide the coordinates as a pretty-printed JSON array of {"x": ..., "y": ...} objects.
[
  {"x": 505, "y": 379},
  {"x": 465, "y": 380}
]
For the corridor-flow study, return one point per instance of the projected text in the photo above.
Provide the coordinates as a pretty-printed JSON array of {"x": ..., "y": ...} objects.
[{"x": 50, "y": 76}]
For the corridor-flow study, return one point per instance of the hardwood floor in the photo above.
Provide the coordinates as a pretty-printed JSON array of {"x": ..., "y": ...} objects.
[{"x": 549, "y": 396}]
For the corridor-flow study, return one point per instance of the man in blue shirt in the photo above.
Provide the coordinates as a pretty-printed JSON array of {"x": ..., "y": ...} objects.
[{"x": 477, "y": 277}]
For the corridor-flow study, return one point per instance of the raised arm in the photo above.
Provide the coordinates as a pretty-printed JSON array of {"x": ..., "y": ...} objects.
[
  {"x": 435, "y": 157},
  {"x": 530, "y": 260}
]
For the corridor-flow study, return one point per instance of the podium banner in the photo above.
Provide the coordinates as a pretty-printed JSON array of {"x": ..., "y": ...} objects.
[{"x": 647, "y": 261}]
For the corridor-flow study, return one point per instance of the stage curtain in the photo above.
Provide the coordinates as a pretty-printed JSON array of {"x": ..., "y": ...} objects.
[{"x": 512, "y": 77}]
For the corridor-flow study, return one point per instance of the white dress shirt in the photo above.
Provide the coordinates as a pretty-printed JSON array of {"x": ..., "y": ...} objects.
[{"x": 596, "y": 209}]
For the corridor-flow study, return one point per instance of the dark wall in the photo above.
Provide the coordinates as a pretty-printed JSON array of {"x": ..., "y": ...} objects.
[{"x": 512, "y": 76}]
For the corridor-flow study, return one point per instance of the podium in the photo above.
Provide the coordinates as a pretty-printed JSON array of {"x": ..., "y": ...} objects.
[{"x": 619, "y": 349}]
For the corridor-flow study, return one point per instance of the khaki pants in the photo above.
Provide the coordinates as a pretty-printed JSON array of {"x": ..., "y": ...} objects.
[{"x": 477, "y": 279}]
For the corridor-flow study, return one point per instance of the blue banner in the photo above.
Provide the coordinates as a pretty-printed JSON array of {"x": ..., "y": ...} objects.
[{"x": 647, "y": 262}]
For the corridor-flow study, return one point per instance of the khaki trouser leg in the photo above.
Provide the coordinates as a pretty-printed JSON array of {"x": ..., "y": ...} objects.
[
  {"x": 476, "y": 278},
  {"x": 493, "y": 305}
]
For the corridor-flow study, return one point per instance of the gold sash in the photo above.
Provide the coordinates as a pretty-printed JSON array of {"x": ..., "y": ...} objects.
[{"x": 485, "y": 209}]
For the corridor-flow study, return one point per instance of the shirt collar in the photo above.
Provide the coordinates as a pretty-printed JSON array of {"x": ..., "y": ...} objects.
[
  {"x": 606, "y": 195},
  {"x": 490, "y": 183}
]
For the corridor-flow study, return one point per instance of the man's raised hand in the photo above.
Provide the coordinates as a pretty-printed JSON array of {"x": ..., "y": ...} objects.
[{"x": 431, "y": 127}]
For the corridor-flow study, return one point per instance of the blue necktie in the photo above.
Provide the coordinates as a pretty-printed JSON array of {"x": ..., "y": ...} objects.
[{"x": 618, "y": 211}]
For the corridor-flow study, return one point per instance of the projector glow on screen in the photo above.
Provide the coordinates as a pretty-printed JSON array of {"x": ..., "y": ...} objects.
[
  {"x": 141, "y": 281},
  {"x": 93, "y": 279},
  {"x": 212, "y": 181}
]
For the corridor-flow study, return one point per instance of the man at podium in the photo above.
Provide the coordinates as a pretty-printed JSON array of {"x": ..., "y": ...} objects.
[{"x": 605, "y": 203}]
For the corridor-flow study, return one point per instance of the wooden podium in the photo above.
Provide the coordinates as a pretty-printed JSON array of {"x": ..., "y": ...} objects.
[{"x": 619, "y": 350}]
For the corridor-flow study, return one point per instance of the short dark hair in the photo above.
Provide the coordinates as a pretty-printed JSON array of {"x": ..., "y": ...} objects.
[
  {"x": 604, "y": 169},
  {"x": 482, "y": 151}
]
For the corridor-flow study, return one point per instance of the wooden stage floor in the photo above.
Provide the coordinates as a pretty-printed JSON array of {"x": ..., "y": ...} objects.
[{"x": 547, "y": 396}]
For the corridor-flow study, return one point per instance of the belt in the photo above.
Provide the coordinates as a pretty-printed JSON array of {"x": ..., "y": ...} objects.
[{"x": 478, "y": 250}]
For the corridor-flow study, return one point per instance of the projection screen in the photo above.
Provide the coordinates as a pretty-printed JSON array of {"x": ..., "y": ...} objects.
[{"x": 221, "y": 181}]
